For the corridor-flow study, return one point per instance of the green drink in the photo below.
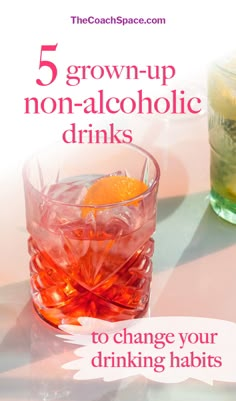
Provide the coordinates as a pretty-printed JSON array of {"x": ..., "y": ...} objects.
[{"x": 222, "y": 136}]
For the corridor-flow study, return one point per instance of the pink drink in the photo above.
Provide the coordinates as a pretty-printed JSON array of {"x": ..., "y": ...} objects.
[{"x": 96, "y": 264}]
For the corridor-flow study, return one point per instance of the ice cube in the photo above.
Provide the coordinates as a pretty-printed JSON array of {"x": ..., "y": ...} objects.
[
  {"x": 119, "y": 220},
  {"x": 61, "y": 205},
  {"x": 61, "y": 211},
  {"x": 56, "y": 215},
  {"x": 70, "y": 193},
  {"x": 81, "y": 228}
]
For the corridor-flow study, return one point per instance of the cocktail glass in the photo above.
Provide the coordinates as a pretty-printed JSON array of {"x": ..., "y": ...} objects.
[
  {"x": 89, "y": 260},
  {"x": 222, "y": 135}
]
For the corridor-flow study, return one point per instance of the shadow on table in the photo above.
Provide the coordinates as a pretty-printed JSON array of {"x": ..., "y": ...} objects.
[
  {"x": 31, "y": 356},
  {"x": 31, "y": 359},
  {"x": 30, "y": 338},
  {"x": 212, "y": 234},
  {"x": 191, "y": 231},
  {"x": 72, "y": 390},
  {"x": 167, "y": 206}
]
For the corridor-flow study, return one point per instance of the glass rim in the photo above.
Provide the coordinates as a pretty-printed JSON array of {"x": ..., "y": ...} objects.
[
  {"x": 221, "y": 65},
  {"x": 96, "y": 206}
]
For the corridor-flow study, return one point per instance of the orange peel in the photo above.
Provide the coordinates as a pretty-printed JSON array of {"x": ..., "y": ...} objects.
[{"x": 113, "y": 189}]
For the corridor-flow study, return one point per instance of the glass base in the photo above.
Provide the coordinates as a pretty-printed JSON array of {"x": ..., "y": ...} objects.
[{"x": 223, "y": 207}]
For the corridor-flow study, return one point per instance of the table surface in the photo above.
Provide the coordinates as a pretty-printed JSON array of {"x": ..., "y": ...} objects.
[{"x": 194, "y": 275}]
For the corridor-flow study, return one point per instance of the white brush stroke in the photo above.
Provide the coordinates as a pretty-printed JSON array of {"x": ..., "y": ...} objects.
[{"x": 223, "y": 347}]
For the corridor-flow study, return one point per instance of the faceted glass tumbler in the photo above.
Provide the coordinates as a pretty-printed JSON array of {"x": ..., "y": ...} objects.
[{"x": 89, "y": 260}]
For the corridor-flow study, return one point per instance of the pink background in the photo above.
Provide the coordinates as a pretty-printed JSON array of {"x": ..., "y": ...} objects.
[{"x": 195, "y": 257}]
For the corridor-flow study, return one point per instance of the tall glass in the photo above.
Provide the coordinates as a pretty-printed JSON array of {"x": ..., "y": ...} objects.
[
  {"x": 89, "y": 259},
  {"x": 222, "y": 135}
]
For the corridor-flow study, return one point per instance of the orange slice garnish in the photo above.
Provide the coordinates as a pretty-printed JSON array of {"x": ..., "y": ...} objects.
[{"x": 113, "y": 189}]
